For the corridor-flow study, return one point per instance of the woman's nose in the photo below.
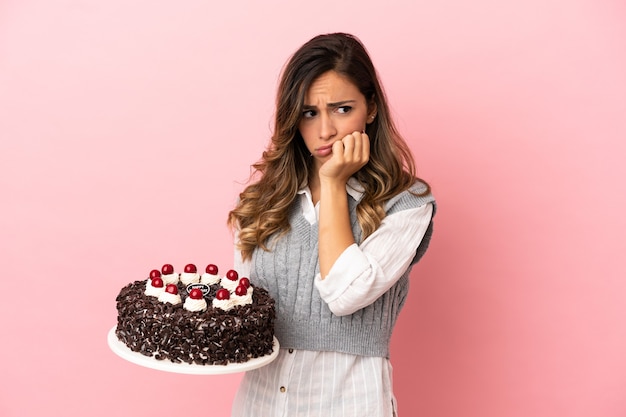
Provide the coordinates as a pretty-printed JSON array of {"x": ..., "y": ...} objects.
[{"x": 327, "y": 127}]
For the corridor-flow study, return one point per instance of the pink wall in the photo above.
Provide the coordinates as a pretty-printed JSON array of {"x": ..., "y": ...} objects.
[{"x": 127, "y": 128}]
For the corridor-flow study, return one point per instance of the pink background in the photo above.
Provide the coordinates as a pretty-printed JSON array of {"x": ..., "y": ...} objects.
[{"x": 128, "y": 127}]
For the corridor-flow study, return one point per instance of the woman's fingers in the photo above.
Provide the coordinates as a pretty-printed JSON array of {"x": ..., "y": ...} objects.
[
  {"x": 365, "y": 148},
  {"x": 350, "y": 154},
  {"x": 356, "y": 147}
]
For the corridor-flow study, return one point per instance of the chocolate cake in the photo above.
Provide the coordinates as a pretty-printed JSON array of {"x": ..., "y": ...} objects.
[{"x": 233, "y": 322}]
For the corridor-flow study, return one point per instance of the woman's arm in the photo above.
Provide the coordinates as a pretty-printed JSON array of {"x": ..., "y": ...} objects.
[
  {"x": 335, "y": 231},
  {"x": 363, "y": 273}
]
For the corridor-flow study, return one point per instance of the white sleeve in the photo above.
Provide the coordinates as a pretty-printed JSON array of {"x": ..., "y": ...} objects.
[{"x": 363, "y": 273}]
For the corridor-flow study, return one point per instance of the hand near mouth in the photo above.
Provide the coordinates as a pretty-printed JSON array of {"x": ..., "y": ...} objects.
[{"x": 348, "y": 156}]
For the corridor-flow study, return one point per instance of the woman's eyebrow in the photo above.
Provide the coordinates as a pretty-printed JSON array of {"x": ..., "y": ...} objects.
[{"x": 330, "y": 105}]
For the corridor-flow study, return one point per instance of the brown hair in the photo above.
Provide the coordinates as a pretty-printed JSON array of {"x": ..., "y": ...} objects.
[{"x": 263, "y": 206}]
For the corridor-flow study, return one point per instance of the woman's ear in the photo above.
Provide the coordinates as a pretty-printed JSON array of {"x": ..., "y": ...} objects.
[{"x": 372, "y": 110}]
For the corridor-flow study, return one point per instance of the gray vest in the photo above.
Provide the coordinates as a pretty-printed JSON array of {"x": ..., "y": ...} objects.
[{"x": 304, "y": 320}]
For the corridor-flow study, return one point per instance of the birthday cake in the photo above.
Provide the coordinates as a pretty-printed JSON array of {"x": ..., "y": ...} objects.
[{"x": 196, "y": 318}]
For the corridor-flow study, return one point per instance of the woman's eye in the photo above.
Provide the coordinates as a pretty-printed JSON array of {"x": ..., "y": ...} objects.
[
  {"x": 344, "y": 109},
  {"x": 307, "y": 114}
]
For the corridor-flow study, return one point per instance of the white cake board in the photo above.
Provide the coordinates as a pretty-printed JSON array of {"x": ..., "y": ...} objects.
[{"x": 123, "y": 351}]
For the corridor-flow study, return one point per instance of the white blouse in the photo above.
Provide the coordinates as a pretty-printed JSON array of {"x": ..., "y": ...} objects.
[{"x": 311, "y": 383}]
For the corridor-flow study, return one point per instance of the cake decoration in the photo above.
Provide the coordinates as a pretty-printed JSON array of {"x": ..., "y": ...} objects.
[
  {"x": 190, "y": 275},
  {"x": 223, "y": 300},
  {"x": 245, "y": 282},
  {"x": 210, "y": 276},
  {"x": 206, "y": 289},
  {"x": 195, "y": 301},
  {"x": 170, "y": 295},
  {"x": 230, "y": 281},
  {"x": 241, "y": 290},
  {"x": 243, "y": 294},
  {"x": 154, "y": 286},
  {"x": 168, "y": 275}
]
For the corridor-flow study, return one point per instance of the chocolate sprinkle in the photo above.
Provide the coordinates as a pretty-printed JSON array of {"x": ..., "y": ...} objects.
[{"x": 212, "y": 337}]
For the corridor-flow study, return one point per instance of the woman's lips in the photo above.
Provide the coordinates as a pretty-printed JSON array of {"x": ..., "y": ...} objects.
[{"x": 324, "y": 150}]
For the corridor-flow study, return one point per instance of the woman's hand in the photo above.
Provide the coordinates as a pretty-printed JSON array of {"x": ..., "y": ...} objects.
[{"x": 349, "y": 155}]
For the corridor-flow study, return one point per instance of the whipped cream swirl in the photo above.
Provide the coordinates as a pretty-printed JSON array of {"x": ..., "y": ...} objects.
[
  {"x": 209, "y": 279},
  {"x": 170, "y": 278},
  {"x": 234, "y": 300},
  {"x": 243, "y": 299},
  {"x": 166, "y": 297},
  {"x": 224, "y": 304},
  {"x": 229, "y": 284},
  {"x": 189, "y": 278},
  {"x": 153, "y": 291},
  {"x": 195, "y": 305}
]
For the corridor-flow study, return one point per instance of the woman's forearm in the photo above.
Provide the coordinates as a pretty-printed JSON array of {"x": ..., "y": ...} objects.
[{"x": 335, "y": 230}]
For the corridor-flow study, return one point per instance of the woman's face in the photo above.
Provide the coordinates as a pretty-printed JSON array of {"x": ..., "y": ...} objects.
[{"x": 333, "y": 108}]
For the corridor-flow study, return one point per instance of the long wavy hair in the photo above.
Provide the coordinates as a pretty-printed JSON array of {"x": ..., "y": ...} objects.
[{"x": 285, "y": 165}]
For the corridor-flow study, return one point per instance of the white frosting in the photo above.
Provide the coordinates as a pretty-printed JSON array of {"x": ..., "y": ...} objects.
[
  {"x": 228, "y": 284},
  {"x": 209, "y": 279},
  {"x": 195, "y": 305},
  {"x": 170, "y": 278},
  {"x": 189, "y": 277},
  {"x": 224, "y": 304},
  {"x": 242, "y": 300},
  {"x": 167, "y": 297},
  {"x": 153, "y": 291}
]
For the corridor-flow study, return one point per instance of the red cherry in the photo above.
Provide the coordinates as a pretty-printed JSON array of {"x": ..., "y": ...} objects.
[
  {"x": 245, "y": 282},
  {"x": 191, "y": 268},
  {"x": 241, "y": 290},
  {"x": 222, "y": 294},
  {"x": 157, "y": 282},
  {"x": 196, "y": 294},
  {"x": 211, "y": 269},
  {"x": 172, "y": 289},
  {"x": 167, "y": 269},
  {"x": 155, "y": 273},
  {"x": 232, "y": 275}
]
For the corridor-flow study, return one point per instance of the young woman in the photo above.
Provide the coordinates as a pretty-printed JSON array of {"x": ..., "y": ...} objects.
[{"x": 331, "y": 224}]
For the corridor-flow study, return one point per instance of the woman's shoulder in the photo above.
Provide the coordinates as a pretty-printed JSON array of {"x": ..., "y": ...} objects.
[
  {"x": 417, "y": 195},
  {"x": 419, "y": 187}
]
